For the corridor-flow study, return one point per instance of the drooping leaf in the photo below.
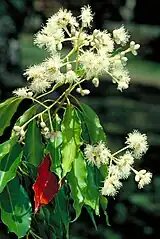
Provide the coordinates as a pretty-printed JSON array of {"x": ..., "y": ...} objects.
[
  {"x": 46, "y": 185},
  {"x": 77, "y": 179},
  {"x": 54, "y": 147},
  {"x": 27, "y": 115},
  {"x": 33, "y": 149},
  {"x": 16, "y": 208},
  {"x": 7, "y": 110},
  {"x": 61, "y": 218},
  {"x": 9, "y": 163},
  {"x": 90, "y": 212},
  {"x": 92, "y": 191},
  {"x": 71, "y": 133},
  {"x": 95, "y": 130},
  {"x": 104, "y": 203}
]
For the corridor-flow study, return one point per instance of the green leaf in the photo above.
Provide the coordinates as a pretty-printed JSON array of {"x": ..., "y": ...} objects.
[
  {"x": 60, "y": 218},
  {"x": 7, "y": 110},
  {"x": 77, "y": 179},
  {"x": 9, "y": 164},
  {"x": 71, "y": 133},
  {"x": 92, "y": 192},
  {"x": 16, "y": 208},
  {"x": 95, "y": 130},
  {"x": 90, "y": 212},
  {"x": 4, "y": 148},
  {"x": 27, "y": 115},
  {"x": 54, "y": 147},
  {"x": 104, "y": 203},
  {"x": 33, "y": 150},
  {"x": 85, "y": 133}
]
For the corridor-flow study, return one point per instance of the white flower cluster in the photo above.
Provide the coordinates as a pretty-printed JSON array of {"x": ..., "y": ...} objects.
[
  {"x": 101, "y": 56},
  {"x": 97, "y": 154},
  {"x": 120, "y": 166}
]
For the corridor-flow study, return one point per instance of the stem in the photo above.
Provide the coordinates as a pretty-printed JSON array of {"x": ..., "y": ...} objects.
[
  {"x": 50, "y": 91},
  {"x": 50, "y": 120},
  {"x": 121, "y": 150},
  {"x": 77, "y": 101},
  {"x": 40, "y": 103},
  {"x": 69, "y": 54},
  {"x": 35, "y": 236}
]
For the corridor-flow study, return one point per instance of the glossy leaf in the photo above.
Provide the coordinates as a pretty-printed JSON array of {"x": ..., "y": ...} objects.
[
  {"x": 7, "y": 110},
  {"x": 104, "y": 203},
  {"x": 46, "y": 185},
  {"x": 28, "y": 114},
  {"x": 92, "y": 192},
  {"x": 77, "y": 179},
  {"x": 95, "y": 130},
  {"x": 54, "y": 147},
  {"x": 16, "y": 208},
  {"x": 33, "y": 150},
  {"x": 71, "y": 133},
  {"x": 9, "y": 164},
  {"x": 90, "y": 212},
  {"x": 60, "y": 218}
]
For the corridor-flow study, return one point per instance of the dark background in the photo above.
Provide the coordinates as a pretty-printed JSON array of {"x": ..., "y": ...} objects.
[{"x": 133, "y": 213}]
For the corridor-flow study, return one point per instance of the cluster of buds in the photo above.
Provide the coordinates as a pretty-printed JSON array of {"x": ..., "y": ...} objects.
[{"x": 19, "y": 131}]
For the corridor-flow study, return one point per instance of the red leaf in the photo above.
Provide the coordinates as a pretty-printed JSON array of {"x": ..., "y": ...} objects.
[{"x": 46, "y": 184}]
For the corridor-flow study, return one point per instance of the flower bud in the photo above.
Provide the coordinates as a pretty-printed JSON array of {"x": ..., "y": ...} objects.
[
  {"x": 95, "y": 82},
  {"x": 78, "y": 90},
  {"x": 17, "y": 128},
  {"x": 22, "y": 133},
  {"x": 42, "y": 124},
  {"x": 46, "y": 129},
  {"x": 59, "y": 46},
  {"x": 85, "y": 92},
  {"x": 30, "y": 94},
  {"x": 69, "y": 67}
]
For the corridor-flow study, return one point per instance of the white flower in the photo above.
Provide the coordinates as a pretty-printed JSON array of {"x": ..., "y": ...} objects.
[
  {"x": 97, "y": 155},
  {"x": 120, "y": 74},
  {"x": 127, "y": 158},
  {"x": 53, "y": 63},
  {"x": 121, "y": 36},
  {"x": 62, "y": 18},
  {"x": 38, "y": 85},
  {"x": 71, "y": 76},
  {"x": 21, "y": 92},
  {"x": 94, "y": 64},
  {"x": 137, "y": 142},
  {"x": 134, "y": 47},
  {"x": 143, "y": 178},
  {"x": 103, "y": 154},
  {"x": 57, "y": 77},
  {"x": 89, "y": 154},
  {"x": 86, "y": 16},
  {"x": 80, "y": 39},
  {"x": 102, "y": 41},
  {"x": 36, "y": 71},
  {"x": 43, "y": 40},
  {"x": 111, "y": 185}
]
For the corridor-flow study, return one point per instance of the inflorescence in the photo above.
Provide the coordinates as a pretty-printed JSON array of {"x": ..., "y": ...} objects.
[{"x": 92, "y": 55}]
